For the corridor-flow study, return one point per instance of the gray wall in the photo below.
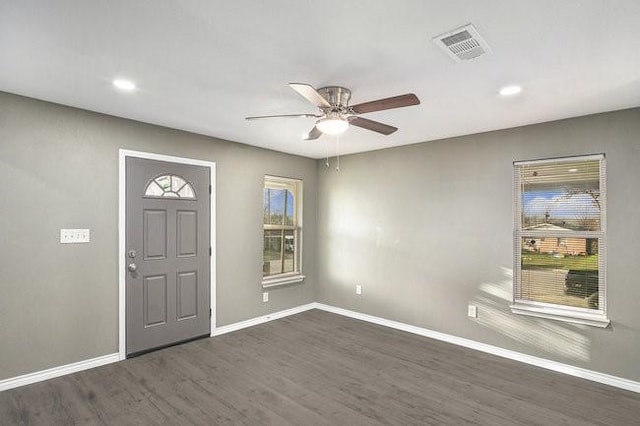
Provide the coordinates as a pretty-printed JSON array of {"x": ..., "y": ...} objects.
[
  {"x": 427, "y": 229},
  {"x": 59, "y": 169}
]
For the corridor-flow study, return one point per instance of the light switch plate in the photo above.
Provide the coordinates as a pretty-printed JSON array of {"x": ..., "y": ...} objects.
[
  {"x": 74, "y": 236},
  {"x": 265, "y": 296}
]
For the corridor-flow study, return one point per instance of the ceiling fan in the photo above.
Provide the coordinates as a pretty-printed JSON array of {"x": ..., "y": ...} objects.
[{"x": 336, "y": 113}]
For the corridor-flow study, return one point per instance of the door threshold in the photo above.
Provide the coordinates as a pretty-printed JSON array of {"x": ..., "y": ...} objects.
[{"x": 157, "y": 348}]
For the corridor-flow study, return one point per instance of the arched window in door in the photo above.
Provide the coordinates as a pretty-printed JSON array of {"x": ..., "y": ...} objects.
[{"x": 169, "y": 186}]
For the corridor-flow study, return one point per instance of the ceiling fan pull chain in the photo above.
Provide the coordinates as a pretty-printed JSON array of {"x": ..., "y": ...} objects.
[
  {"x": 338, "y": 149},
  {"x": 326, "y": 145}
]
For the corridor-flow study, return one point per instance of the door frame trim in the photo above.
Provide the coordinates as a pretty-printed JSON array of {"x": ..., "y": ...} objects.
[{"x": 122, "y": 201}]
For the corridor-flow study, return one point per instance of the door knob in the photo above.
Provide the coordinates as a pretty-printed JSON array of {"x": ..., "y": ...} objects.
[{"x": 132, "y": 267}]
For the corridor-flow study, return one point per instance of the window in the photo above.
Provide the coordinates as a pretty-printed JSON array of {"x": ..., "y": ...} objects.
[
  {"x": 282, "y": 213},
  {"x": 560, "y": 239},
  {"x": 169, "y": 186}
]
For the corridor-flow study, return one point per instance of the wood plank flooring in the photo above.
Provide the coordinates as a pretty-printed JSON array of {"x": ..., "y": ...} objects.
[{"x": 317, "y": 368}]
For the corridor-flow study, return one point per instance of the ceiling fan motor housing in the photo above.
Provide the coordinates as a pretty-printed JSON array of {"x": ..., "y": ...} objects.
[{"x": 337, "y": 96}]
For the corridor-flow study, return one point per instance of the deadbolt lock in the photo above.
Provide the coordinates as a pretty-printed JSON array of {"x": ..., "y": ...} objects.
[{"x": 132, "y": 254}]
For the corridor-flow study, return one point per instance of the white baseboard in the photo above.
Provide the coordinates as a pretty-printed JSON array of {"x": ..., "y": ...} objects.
[
  {"x": 260, "y": 320},
  {"x": 38, "y": 376},
  {"x": 62, "y": 370},
  {"x": 595, "y": 376}
]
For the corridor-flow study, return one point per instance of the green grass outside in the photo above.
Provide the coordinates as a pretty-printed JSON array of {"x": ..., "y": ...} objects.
[{"x": 544, "y": 260}]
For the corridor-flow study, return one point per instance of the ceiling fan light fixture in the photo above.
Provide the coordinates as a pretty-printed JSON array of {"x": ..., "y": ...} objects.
[{"x": 333, "y": 124}]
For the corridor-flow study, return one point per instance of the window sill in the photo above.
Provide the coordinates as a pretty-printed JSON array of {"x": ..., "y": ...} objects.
[
  {"x": 279, "y": 280},
  {"x": 594, "y": 320}
]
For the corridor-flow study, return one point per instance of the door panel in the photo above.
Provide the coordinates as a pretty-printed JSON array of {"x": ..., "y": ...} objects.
[
  {"x": 187, "y": 295},
  {"x": 167, "y": 249},
  {"x": 155, "y": 234},
  {"x": 155, "y": 300},
  {"x": 187, "y": 226}
]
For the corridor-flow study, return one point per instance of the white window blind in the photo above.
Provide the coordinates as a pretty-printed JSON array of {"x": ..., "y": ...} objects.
[{"x": 560, "y": 239}]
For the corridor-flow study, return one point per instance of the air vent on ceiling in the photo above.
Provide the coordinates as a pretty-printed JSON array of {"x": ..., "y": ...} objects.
[{"x": 463, "y": 43}]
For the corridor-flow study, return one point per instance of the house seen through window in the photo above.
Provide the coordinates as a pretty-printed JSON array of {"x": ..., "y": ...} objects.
[{"x": 560, "y": 239}]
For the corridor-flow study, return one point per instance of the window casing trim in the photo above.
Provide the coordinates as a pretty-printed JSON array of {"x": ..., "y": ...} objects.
[
  {"x": 283, "y": 279},
  {"x": 568, "y": 159},
  {"x": 578, "y": 315},
  {"x": 566, "y": 314}
]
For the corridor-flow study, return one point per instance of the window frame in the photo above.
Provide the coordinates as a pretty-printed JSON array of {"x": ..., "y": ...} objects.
[
  {"x": 593, "y": 317},
  {"x": 296, "y": 187}
]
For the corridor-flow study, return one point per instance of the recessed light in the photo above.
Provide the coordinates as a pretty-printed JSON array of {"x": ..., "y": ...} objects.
[
  {"x": 126, "y": 85},
  {"x": 573, "y": 170},
  {"x": 510, "y": 90}
]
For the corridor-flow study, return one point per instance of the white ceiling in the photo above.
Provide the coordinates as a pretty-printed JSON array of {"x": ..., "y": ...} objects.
[{"x": 203, "y": 66}]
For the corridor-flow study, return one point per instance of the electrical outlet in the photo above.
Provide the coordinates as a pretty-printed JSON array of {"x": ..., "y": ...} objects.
[
  {"x": 265, "y": 296},
  {"x": 472, "y": 311},
  {"x": 358, "y": 289}
]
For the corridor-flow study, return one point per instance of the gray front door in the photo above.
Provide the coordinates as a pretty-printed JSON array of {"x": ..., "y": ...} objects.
[{"x": 167, "y": 253}]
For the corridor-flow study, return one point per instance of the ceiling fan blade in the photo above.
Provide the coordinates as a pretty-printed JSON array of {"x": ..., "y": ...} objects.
[
  {"x": 375, "y": 126},
  {"x": 387, "y": 103},
  {"x": 283, "y": 116},
  {"x": 313, "y": 134},
  {"x": 310, "y": 94}
]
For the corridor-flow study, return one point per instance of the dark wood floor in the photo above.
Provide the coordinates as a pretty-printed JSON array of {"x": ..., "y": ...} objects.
[{"x": 318, "y": 368}]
